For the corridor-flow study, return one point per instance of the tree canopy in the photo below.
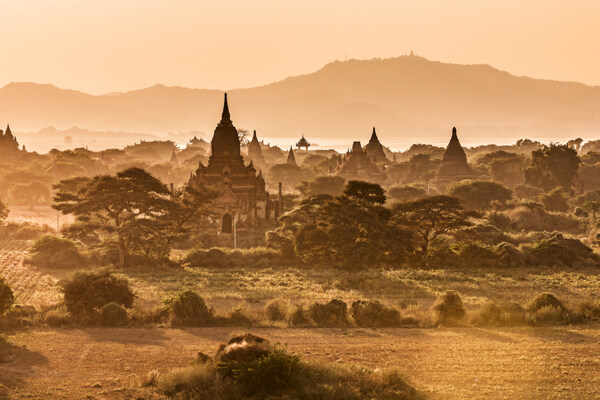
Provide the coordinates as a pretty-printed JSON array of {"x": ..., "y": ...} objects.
[{"x": 553, "y": 166}]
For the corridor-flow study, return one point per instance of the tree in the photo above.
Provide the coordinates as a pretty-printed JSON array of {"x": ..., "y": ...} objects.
[
  {"x": 332, "y": 185},
  {"x": 478, "y": 195},
  {"x": 129, "y": 209},
  {"x": 364, "y": 193},
  {"x": 6, "y": 296},
  {"x": 430, "y": 218},
  {"x": 553, "y": 166},
  {"x": 406, "y": 193}
]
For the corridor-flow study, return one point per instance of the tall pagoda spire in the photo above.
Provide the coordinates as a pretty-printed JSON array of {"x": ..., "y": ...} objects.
[
  {"x": 291, "y": 157},
  {"x": 374, "y": 136},
  {"x": 225, "y": 116}
]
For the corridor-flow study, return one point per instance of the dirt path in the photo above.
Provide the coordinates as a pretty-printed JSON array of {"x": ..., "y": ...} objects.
[{"x": 466, "y": 363}]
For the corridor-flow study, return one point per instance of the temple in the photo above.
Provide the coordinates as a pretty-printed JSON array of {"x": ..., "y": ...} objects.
[
  {"x": 454, "y": 166},
  {"x": 291, "y": 157},
  {"x": 356, "y": 165},
  {"x": 255, "y": 150},
  {"x": 8, "y": 142},
  {"x": 243, "y": 200},
  {"x": 303, "y": 143},
  {"x": 374, "y": 149}
]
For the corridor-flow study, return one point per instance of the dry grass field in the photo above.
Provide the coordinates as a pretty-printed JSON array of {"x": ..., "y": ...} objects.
[
  {"x": 453, "y": 363},
  {"x": 458, "y": 363}
]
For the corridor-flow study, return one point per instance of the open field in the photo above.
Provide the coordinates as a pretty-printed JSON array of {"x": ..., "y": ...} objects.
[{"x": 460, "y": 363}]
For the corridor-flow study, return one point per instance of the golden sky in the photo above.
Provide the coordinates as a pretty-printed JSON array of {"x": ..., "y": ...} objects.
[{"x": 116, "y": 45}]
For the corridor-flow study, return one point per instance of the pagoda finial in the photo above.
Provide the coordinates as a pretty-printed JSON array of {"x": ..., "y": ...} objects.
[
  {"x": 225, "y": 116},
  {"x": 454, "y": 136},
  {"x": 374, "y": 135},
  {"x": 254, "y": 135}
]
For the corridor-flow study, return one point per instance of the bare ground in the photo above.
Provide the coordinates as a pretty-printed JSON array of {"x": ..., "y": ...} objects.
[{"x": 460, "y": 363}]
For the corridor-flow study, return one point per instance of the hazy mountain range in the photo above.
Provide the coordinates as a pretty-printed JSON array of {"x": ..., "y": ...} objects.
[{"x": 409, "y": 99}]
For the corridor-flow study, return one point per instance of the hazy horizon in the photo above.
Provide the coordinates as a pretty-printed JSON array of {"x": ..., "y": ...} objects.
[{"x": 103, "y": 47}]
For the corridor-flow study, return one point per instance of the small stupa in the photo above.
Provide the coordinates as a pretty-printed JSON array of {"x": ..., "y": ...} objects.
[
  {"x": 291, "y": 157},
  {"x": 454, "y": 166}
]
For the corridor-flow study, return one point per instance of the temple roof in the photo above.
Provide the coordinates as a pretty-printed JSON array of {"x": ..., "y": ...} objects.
[
  {"x": 454, "y": 151},
  {"x": 302, "y": 142},
  {"x": 375, "y": 149},
  {"x": 225, "y": 142},
  {"x": 291, "y": 157}
]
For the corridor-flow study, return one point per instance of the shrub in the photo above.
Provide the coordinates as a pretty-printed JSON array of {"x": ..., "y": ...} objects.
[
  {"x": 560, "y": 251},
  {"x": 475, "y": 253},
  {"x": 499, "y": 220},
  {"x": 508, "y": 314},
  {"x": 589, "y": 309},
  {"x": 478, "y": 195},
  {"x": 190, "y": 309},
  {"x": 113, "y": 314},
  {"x": 277, "y": 310},
  {"x": 249, "y": 367},
  {"x": 509, "y": 255},
  {"x": 299, "y": 317},
  {"x": 87, "y": 292},
  {"x": 334, "y": 313},
  {"x": 555, "y": 200},
  {"x": 58, "y": 317},
  {"x": 546, "y": 308},
  {"x": 6, "y": 296},
  {"x": 372, "y": 313},
  {"x": 56, "y": 252},
  {"x": 223, "y": 257},
  {"x": 449, "y": 309},
  {"x": 530, "y": 217},
  {"x": 239, "y": 317}
]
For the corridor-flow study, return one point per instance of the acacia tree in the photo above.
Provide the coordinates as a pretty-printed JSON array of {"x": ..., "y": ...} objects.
[
  {"x": 479, "y": 195},
  {"x": 552, "y": 166},
  {"x": 431, "y": 217},
  {"x": 129, "y": 209}
]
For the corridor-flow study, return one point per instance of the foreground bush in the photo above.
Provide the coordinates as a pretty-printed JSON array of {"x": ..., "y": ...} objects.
[
  {"x": 374, "y": 314},
  {"x": 6, "y": 296},
  {"x": 87, "y": 292},
  {"x": 506, "y": 314},
  {"x": 562, "y": 252},
  {"x": 545, "y": 308},
  {"x": 449, "y": 309},
  {"x": 225, "y": 257},
  {"x": 249, "y": 367},
  {"x": 189, "y": 309},
  {"x": 113, "y": 314},
  {"x": 277, "y": 310},
  {"x": 58, "y": 317},
  {"x": 334, "y": 313},
  {"x": 55, "y": 252}
]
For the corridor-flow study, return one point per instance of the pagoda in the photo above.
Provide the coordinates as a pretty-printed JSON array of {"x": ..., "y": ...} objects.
[
  {"x": 291, "y": 159},
  {"x": 303, "y": 143},
  {"x": 454, "y": 166},
  {"x": 357, "y": 165},
  {"x": 255, "y": 150},
  {"x": 8, "y": 142},
  {"x": 374, "y": 149},
  {"x": 243, "y": 200}
]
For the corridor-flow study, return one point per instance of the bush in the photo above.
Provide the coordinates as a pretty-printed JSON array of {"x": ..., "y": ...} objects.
[
  {"x": 555, "y": 200},
  {"x": 23, "y": 231},
  {"x": 560, "y": 251},
  {"x": 449, "y": 309},
  {"x": 190, "y": 309},
  {"x": 334, "y": 313},
  {"x": 55, "y": 252},
  {"x": 546, "y": 308},
  {"x": 478, "y": 195},
  {"x": 277, "y": 310},
  {"x": 372, "y": 313},
  {"x": 508, "y": 314},
  {"x": 530, "y": 217},
  {"x": 58, "y": 317},
  {"x": 223, "y": 257},
  {"x": 87, "y": 292},
  {"x": 475, "y": 253},
  {"x": 499, "y": 220},
  {"x": 589, "y": 309},
  {"x": 509, "y": 255},
  {"x": 299, "y": 317},
  {"x": 6, "y": 296},
  {"x": 113, "y": 314},
  {"x": 249, "y": 367}
]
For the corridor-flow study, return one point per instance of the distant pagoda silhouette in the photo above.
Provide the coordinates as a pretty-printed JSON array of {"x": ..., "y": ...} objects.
[
  {"x": 255, "y": 150},
  {"x": 454, "y": 166},
  {"x": 374, "y": 149},
  {"x": 303, "y": 143},
  {"x": 291, "y": 159},
  {"x": 356, "y": 165},
  {"x": 242, "y": 191}
]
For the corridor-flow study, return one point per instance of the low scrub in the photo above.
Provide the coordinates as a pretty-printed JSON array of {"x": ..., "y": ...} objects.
[
  {"x": 58, "y": 317},
  {"x": 23, "y": 231},
  {"x": 225, "y": 257},
  {"x": 56, "y": 252},
  {"x": 189, "y": 309},
  {"x": 249, "y": 367},
  {"x": 113, "y": 314},
  {"x": 87, "y": 292},
  {"x": 333, "y": 313},
  {"x": 505, "y": 314},
  {"x": 545, "y": 308},
  {"x": 277, "y": 310},
  {"x": 562, "y": 252},
  {"x": 449, "y": 309},
  {"x": 373, "y": 314}
]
